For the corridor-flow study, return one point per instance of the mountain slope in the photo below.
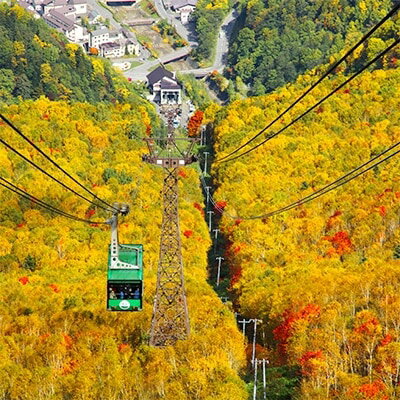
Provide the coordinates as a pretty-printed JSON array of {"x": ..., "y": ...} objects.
[
  {"x": 36, "y": 60},
  {"x": 57, "y": 340},
  {"x": 324, "y": 277},
  {"x": 281, "y": 40}
]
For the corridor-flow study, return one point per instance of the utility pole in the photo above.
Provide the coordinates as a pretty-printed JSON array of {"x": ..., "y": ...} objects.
[
  {"x": 208, "y": 195},
  {"x": 244, "y": 322},
  {"x": 254, "y": 340},
  {"x": 219, "y": 268},
  {"x": 206, "y": 153},
  {"x": 210, "y": 213},
  {"x": 255, "y": 381},
  {"x": 264, "y": 361},
  {"x": 215, "y": 239},
  {"x": 170, "y": 321}
]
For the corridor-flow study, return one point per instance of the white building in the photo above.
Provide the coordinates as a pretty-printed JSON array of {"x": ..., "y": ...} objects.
[
  {"x": 74, "y": 32},
  {"x": 80, "y": 7},
  {"x": 164, "y": 87},
  {"x": 112, "y": 50},
  {"x": 98, "y": 37},
  {"x": 185, "y": 8}
]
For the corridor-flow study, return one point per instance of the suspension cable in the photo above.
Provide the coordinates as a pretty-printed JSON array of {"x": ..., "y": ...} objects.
[
  {"x": 269, "y": 137},
  {"x": 50, "y": 176},
  {"x": 328, "y": 72},
  {"x": 20, "y": 133},
  {"x": 20, "y": 192},
  {"x": 320, "y": 192}
]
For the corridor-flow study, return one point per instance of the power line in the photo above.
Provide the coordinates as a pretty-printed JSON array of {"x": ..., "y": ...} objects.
[
  {"x": 12, "y": 126},
  {"x": 328, "y": 72},
  {"x": 50, "y": 176},
  {"x": 320, "y": 192},
  {"x": 269, "y": 137},
  {"x": 22, "y": 193}
]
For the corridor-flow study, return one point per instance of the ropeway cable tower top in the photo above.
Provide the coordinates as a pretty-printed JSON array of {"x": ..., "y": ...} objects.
[{"x": 170, "y": 321}]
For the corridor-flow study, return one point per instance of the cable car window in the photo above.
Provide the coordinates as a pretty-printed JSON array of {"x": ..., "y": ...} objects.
[{"x": 124, "y": 291}]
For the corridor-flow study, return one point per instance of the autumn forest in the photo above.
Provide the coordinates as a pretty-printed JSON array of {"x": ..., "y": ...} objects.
[{"x": 322, "y": 279}]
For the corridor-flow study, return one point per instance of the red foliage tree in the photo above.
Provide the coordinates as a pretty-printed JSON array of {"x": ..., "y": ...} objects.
[
  {"x": 24, "y": 280},
  {"x": 182, "y": 173},
  {"x": 306, "y": 361},
  {"x": 188, "y": 233},
  {"x": 54, "y": 288},
  {"x": 341, "y": 243},
  {"x": 284, "y": 331},
  {"x": 198, "y": 206},
  {"x": 123, "y": 347},
  {"x": 220, "y": 205},
  {"x": 194, "y": 123},
  {"x": 373, "y": 390}
]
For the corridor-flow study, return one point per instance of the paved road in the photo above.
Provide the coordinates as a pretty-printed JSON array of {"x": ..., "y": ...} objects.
[
  {"x": 222, "y": 48},
  {"x": 185, "y": 31},
  {"x": 139, "y": 73},
  {"x": 94, "y": 5}
]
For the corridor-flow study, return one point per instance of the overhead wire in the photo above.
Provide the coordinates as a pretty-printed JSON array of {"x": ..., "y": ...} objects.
[
  {"x": 21, "y": 134},
  {"x": 269, "y": 137},
  {"x": 22, "y": 193},
  {"x": 50, "y": 176},
  {"x": 320, "y": 192},
  {"x": 390, "y": 14}
]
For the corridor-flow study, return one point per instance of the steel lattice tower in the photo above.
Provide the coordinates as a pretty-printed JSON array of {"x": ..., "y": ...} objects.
[
  {"x": 170, "y": 320},
  {"x": 170, "y": 315}
]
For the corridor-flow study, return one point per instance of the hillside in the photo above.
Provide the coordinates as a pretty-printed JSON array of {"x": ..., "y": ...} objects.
[
  {"x": 280, "y": 40},
  {"x": 324, "y": 277},
  {"x": 36, "y": 60},
  {"x": 57, "y": 340}
]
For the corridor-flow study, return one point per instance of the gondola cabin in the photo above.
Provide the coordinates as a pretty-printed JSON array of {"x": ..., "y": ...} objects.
[
  {"x": 125, "y": 271},
  {"x": 125, "y": 278}
]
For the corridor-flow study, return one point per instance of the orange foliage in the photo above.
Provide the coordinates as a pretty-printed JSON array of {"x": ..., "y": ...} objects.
[
  {"x": 284, "y": 331},
  {"x": 90, "y": 213},
  {"x": 24, "y": 280},
  {"x": 386, "y": 340},
  {"x": 308, "y": 367},
  {"x": 54, "y": 288},
  {"x": 341, "y": 243},
  {"x": 123, "y": 347},
  {"x": 373, "y": 390},
  {"x": 188, "y": 233},
  {"x": 182, "y": 173},
  {"x": 382, "y": 211},
  {"x": 220, "y": 205},
  {"x": 197, "y": 206},
  {"x": 368, "y": 327},
  {"x": 68, "y": 342},
  {"x": 194, "y": 123}
]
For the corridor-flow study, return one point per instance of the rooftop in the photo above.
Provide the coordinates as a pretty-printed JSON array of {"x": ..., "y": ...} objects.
[
  {"x": 158, "y": 74},
  {"x": 66, "y": 10},
  {"x": 110, "y": 46},
  {"x": 101, "y": 31},
  {"x": 59, "y": 20},
  {"x": 167, "y": 83},
  {"x": 176, "y": 4}
]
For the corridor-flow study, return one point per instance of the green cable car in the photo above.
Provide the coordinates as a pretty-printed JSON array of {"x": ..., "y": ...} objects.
[{"x": 125, "y": 272}]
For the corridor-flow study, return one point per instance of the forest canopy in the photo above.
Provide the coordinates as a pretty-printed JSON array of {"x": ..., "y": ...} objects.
[
  {"x": 37, "y": 60},
  {"x": 323, "y": 277},
  {"x": 280, "y": 40}
]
